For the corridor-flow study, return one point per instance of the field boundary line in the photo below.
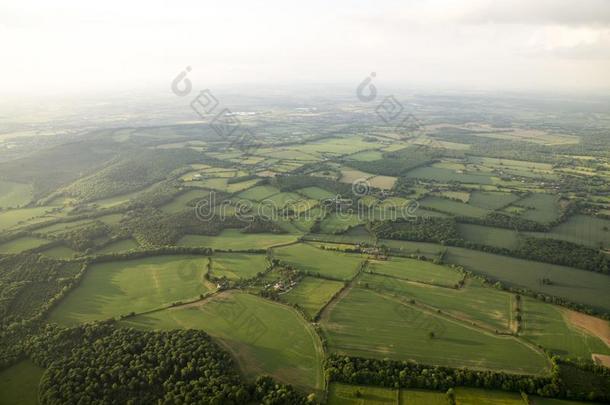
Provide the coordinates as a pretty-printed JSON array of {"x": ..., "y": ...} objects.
[{"x": 449, "y": 318}]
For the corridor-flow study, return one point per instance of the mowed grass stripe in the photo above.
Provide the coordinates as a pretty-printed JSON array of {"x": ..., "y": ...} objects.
[
  {"x": 367, "y": 324},
  {"x": 338, "y": 265},
  {"x": 235, "y": 266},
  {"x": 474, "y": 303},
  {"x": 265, "y": 337},
  {"x": 415, "y": 270},
  {"x": 312, "y": 294},
  {"x": 116, "y": 288},
  {"x": 546, "y": 325}
]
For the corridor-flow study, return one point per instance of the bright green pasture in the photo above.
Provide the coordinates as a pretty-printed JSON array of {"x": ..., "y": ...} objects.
[
  {"x": 116, "y": 288},
  {"x": 235, "y": 266},
  {"x": 19, "y": 384},
  {"x": 473, "y": 303},
  {"x": 342, "y": 266},
  {"x": 60, "y": 252},
  {"x": 178, "y": 204},
  {"x": 474, "y": 396},
  {"x": 316, "y": 193},
  {"x": 421, "y": 397},
  {"x": 119, "y": 246},
  {"x": 236, "y": 240},
  {"x": 280, "y": 200},
  {"x": 415, "y": 270},
  {"x": 490, "y": 236},
  {"x": 444, "y": 175},
  {"x": 430, "y": 250},
  {"x": 343, "y": 394},
  {"x": 542, "y": 208},
  {"x": 339, "y": 222},
  {"x": 264, "y": 337},
  {"x": 583, "y": 229},
  {"x": 21, "y": 244},
  {"x": 545, "y": 325},
  {"x": 23, "y": 216},
  {"x": 453, "y": 207},
  {"x": 14, "y": 194},
  {"x": 258, "y": 193},
  {"x": 492, "y": 200},
  {"x": 580, "y": 286},
  {"x": 366, "y": 324},
  {"x": 312, "y": 294}
]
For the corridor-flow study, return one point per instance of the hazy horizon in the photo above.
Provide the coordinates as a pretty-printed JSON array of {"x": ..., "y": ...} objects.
[{"x": 68, "y": 47}]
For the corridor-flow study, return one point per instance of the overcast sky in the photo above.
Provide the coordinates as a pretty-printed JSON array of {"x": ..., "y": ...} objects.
[{"x": 72, "y": 46}]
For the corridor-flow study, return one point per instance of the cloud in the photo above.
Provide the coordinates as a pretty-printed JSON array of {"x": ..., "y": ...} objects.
[{"x": 540, "y": 12}]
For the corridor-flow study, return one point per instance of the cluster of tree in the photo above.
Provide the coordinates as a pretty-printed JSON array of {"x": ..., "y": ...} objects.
[
  {"x": 563, "y": 253},
  {"x": 396, "y": 163},
  {"x": 501, "y": 220},
  {"x": 584, "y": 380},
  {"x": 580, "y": 381},
  {"x": 421, "y": 229},
  {"x": 105, "y": 364},
  {"x": 131, "y": 172},
  {"x": 408, "y": 374},
  {"x": 29, "y": 283}
]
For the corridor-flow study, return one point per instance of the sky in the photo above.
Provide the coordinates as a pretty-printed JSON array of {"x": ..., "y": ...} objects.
[{"x": 69, "y": 46}]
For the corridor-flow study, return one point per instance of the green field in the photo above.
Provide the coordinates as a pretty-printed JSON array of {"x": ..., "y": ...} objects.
[
  {"x": 236, "y": 240},
  {"x": 542, "y": 208},
  {"x": 366, "y": 324},
  {"x": 265, "y": 337},
  {"x": 116, "y": 288},
  {"x": 60, "y": 252},
  {"x": 339, "y": 222},
  {"x": 316, "y": 193},
  {"x": 489, "y": 236},
  {"x": 179, "y": 203},
  {"x": 415, "y": 270},
  {"x": 492, "y": 200},
  {"x": 576, "y": 285},
  {"x": 473, "y": 396},
  {"x": 119, "y": 246},
  {"x": 14, "y": 194},
  {"x": 22, "y": 216},
  {"x": 367, "y": 156},
  {"x": 473, "y": 304},
  {"x": 312, "y": 294},
  {"x": 19, "y": 384},
  {"x": 343, "y": 394},
  {"x": 420, "y": 397},
  {"x": 258, "y": 193},
  {"x": 21, "y": 244},
  {"x": 453, "y": 207},
  {"x": 545, "y": 325},
  {"x": 235, "y": 266},
  {"x": 446, "y": 175},
  {"x": 341, "y": 266},
  {"x": 585, "y": 230}
]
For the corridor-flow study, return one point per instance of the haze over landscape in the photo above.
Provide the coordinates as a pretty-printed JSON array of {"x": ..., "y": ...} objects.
[{"x": 347, "y": 202}]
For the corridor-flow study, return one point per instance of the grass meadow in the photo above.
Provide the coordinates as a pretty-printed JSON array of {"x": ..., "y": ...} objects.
[
  {"x": 264, "y": 337},
  {"x": 366, "y": 324},
  {"x": 312, "y": 294},
  {"x": 19, "y": 384},
  {"x": 337, "y": 265},
  {"x": 116, "y": 288}
]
